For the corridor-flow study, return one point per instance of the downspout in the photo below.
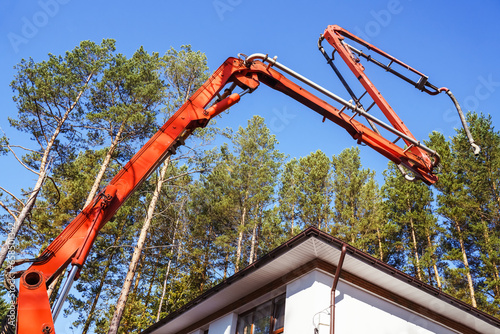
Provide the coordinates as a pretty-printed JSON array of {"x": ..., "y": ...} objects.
[{"x": 334, "y": 288}]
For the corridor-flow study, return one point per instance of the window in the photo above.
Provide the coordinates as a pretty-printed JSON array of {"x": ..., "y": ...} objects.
[{"x": 268, "y": 318}]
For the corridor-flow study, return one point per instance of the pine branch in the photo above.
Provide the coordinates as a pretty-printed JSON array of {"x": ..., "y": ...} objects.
[
  {"x": 21, "y": 147},
  {"x": 41, "y": 125},
  {"x": 8, "y": 210},
  {"x": 184, "y": 174},
  {"x": 58, "y": 195},
  {"x": 22, "y": 163},
  {"x": 11, "y": 194}
]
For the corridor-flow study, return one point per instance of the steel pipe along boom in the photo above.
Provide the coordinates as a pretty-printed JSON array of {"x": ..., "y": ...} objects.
[{"x": 345, "y": 103}]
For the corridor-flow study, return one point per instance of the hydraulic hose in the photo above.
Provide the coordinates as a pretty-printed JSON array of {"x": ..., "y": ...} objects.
[{"x": 475, "y": 147}]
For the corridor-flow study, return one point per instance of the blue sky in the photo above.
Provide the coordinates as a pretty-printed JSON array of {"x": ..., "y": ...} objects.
[{"x": 455, "y": 43}]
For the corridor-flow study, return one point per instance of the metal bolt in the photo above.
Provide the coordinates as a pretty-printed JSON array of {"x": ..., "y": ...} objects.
[{"x": 46, "y": 329}]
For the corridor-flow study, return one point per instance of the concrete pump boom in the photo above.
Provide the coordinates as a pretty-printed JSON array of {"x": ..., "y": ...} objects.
[{"x": 217, "y": 94}]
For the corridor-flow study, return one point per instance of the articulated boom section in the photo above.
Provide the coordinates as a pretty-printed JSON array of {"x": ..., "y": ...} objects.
[
  {"x": 337, "y": 37},
  {"x": 74, "y": 243}
]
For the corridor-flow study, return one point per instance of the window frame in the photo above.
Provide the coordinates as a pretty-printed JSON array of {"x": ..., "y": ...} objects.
[{"x": 272, "y": 316}]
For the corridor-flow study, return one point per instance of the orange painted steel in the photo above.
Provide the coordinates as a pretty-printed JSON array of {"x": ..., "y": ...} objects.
[
  {"x": 74, "y": 243},
  {"x": 335, "y": 36},
  {"x": 33, "y": 300}
]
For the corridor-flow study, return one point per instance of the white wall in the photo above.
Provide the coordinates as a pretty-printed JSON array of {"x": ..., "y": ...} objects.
[
  {"x": 378, "y": 315},
  {"x": 357, "y": 312},
  {"x": 306, "y": 297},
  {"x": 224, "y": 325}
]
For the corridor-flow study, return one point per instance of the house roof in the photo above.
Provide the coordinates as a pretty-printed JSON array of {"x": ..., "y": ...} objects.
[{"x": 315, "y": 249}]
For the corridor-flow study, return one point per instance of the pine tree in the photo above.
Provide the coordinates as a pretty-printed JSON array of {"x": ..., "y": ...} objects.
[
  {"x": 471, "y": 183},
  {"x": 50, "y": 97},
  {"x": 315, "y": 190},
  {"x": 483, "y": 181},
  {"x": 348, "y": 180},
  {"x": 409, "y": 207},
  {"x": 123, "y": 106},
  {"x": 375, "y": 230},
  {"x": 288, "y": 197},
  {"x": 254, "y": 167},
  {"x": 454, "y": 206}
]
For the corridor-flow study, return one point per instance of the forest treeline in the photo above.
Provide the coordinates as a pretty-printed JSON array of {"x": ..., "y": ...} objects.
[{"x": 210, "y": 211}]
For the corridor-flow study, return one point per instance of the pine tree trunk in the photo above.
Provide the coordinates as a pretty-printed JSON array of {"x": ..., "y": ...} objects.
[
  {"x": 414, "y": 243},
  {"x": 54, "y": 287},
  {"x": 177, "y": 257},
  {"x": 496, "y": 288},
  {"x": 148, "y": 295},
  {"x": 253, "y": 242},
  {"x": 91, "y": 314},
  {"x": 488, "y": 250},
  {"x": 466, "y": 265},
  {"x": 163, "y": 291},
  {"x": 415, "y": 250},
  {"x": 434, "y": 266},
  {"x": 105, "y": 164},
  {"x": 495, "y": 192},
  {"x": 353, "y": 222},
  {"x": 239, "y": 245},
  {"x": 380, "y": 250},
  {"x": 122, "y": 300},
  {"x": 138, "y": 271},
  {"x": 255, "y": 233},
  {"x": 496, "y": 273},
  {"x": 226, "y": 266},
  {"x": 151, "y": 281},
  {"x": 259, "y": 232},
  {"x": 204, "y": 273}
]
